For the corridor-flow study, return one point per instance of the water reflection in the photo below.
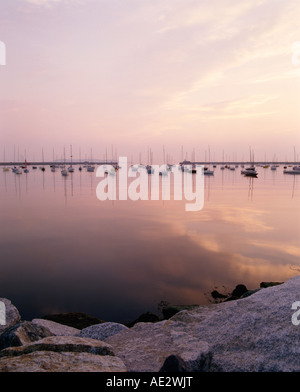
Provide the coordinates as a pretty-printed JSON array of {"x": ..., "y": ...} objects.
[{"x": 117, "y": 259}]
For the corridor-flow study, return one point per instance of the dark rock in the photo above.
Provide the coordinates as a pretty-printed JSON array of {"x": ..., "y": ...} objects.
[
  {"x": 216, "y": 295},
  {"x": 237, "y": 293},
  {"x": 23, "y": 333},
  {"x": 239, "y": 290},
  {"x": 75, "y": 319},
  {"x": 249, "y": 292},
  {"x": 102, "y": 331},
  {"x": 269, "y": 284},
  {"x": 144, "y": 318},
  {"x": 170, "y": 310},
  {"x": 174, "y": 363}
]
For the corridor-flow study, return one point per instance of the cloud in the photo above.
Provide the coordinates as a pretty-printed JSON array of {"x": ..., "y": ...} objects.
[
  {"x": 277, "y": 76},
  {"x": 43, "y": 2},
  {"x": 243, "y": 107},
  {"x": 52, "y": 3}
]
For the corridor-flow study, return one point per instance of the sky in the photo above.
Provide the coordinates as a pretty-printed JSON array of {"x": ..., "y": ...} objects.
[{"x": 193, "y": 78}]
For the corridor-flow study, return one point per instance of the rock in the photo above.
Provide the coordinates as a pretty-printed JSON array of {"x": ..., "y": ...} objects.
[
  {"x": 75, "y": 319},
  {"x": 61, "y": 344},
  {"x": 216, "y": 295},
  {"x": 61, "y": 354},
  {"x": 249, "y": 292},
  {"x": 170, "y": 310},
  {"x": 252, "y": 334},
  {"x": 145, "y": 347},
  {"x": 144, "y": 318},
  {"x": 239, "y": 290},
  {"x": 45, "y": 361},
  {"x": 101, "y": 331},
  {"x": 174, "y": 363},
  {"x": 56, "y": 328},
  {"x": 269, "y": 284},
  {"x": 12, "y": 315},
  {"x": 22, "y": 333}
]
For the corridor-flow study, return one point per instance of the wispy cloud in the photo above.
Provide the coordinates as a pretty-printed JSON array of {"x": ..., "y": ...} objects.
[
  {"x": 43, "y": 2},
  {"x": 278, "y": 76},
  {"x": 243, "y": 107}
]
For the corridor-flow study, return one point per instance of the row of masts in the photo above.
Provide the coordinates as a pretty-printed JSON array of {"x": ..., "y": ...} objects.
[{"x": 166, "y": 158}]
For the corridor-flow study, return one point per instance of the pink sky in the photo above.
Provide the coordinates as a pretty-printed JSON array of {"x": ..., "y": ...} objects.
[{"x": 128, "y": 74}]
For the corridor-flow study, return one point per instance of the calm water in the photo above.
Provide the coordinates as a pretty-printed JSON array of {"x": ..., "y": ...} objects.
[{"x": 63, "y": 250}]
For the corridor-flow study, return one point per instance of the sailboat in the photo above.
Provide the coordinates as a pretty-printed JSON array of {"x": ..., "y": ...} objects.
[
  {"x": 43, "y": 167},
  {"x": 223, "y": 167},
  {"x": 149, "y": 167},
  {"x": 164, "y": 171},
  {"x": 295, "y": 170},
  {"x": 70, "y": 168},
  {"x": 250, "y": 171},
  {"x": 64, "y": 172},
  {"x": 5, "y": 168},
  {"x": 207, "y": 171},
  {"x": 80, "y": 168},
  {"x": 17, "y": 170},
  {"x": 90, "y": 168},
  {"x": 53, "y": 166}
]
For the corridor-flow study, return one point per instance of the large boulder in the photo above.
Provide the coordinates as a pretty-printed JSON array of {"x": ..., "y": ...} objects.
[
  {"x": 22, "y": 333},
  {"x": 102, "y": 331},
  {"x": 146, "y": 346},
  {"x": 45, "y": 361},
  {"x": 56, "y": 328},
  {"x": 61, "y": 354},
  {"x": 255, "y": 333},
  {"x": 9, "y": 315},
  {"x": 252, "y": 334},
  {"x": 61, "y": 344}
]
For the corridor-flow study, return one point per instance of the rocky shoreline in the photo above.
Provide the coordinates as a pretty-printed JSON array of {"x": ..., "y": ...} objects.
[{"x": 245, "y": 330}]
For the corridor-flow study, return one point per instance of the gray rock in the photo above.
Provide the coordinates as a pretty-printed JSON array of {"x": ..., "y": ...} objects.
[
  {"x": 61, "y": 344},
  {"x": 253, "y": 334},
  {"x": 12, "y": 315},
  {"x": 102, "y": 331},
  {"x": 249, "y": 334},
  {"x": 61, "y": 354},
  {"x": 22, "y": 333},
  {"x": 56, "y": 328},
  {"x": 146, "y": 346},
  {"x": 45, "y": 361}
]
